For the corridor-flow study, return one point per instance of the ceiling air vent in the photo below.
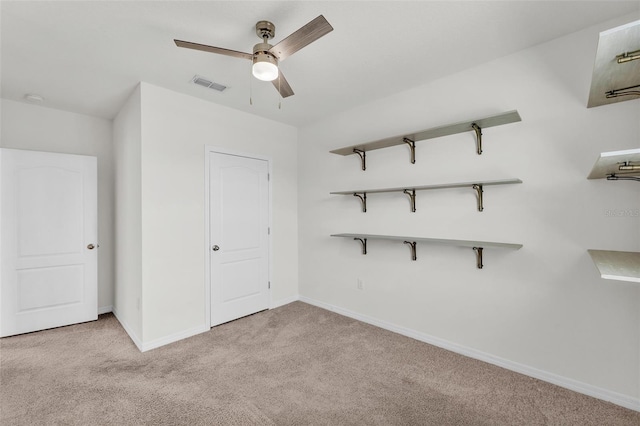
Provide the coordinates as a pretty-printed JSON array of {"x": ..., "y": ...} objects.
[{"x": 208, "y": 84}]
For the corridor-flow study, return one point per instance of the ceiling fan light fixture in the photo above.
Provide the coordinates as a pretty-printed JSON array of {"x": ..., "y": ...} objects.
[{"x": 265, "y": 66}]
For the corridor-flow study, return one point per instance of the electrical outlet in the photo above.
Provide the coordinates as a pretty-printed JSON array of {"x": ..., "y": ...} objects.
[{"x": 360, "y": 284}]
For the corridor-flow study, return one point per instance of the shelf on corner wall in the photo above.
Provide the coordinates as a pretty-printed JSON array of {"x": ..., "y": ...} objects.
[
  {"x": 616, "y": 70},
  {"x": 617, "y": 165},
  {"x": 435, "y": 132},
  {"x": 617, "y": 265}
]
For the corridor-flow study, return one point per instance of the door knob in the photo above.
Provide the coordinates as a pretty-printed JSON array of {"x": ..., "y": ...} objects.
[
  {"x": 216, "y": 248},
  {"x": 91, "y": 246}
]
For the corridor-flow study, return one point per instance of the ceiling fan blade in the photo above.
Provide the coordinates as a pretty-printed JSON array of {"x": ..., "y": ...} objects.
[
  {"x": 302, "y": 37},
  {"x": 282, "y": 85},
  {"x": 213, "y": 49}
]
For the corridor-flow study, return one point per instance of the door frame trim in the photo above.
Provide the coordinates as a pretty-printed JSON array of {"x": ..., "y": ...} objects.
[{"x": 211, "y": 149}]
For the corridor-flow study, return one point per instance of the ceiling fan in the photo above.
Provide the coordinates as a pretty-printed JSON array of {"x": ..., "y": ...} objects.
[{"x": 266, "y": 57}]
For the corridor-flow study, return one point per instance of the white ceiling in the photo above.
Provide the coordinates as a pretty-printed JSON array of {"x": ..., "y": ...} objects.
[{"x": 87, "y": 56}]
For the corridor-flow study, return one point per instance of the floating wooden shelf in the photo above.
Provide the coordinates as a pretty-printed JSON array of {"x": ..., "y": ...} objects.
[
  {"x": 411, "y": 190},
  {"x": 435, "y": 132},
  {"x": 617, "y": 165},
  {"x": 477, "y": 246},
  {"x": 617, "y": 265}
]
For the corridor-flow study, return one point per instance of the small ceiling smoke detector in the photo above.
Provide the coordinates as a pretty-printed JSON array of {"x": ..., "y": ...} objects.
[
  {"x": 208, "y": 83},
  {"x": 33, "y": 98}
]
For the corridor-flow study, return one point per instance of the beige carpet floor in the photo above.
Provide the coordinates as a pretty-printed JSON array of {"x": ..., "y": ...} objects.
[{"x": 295, "y": 365}]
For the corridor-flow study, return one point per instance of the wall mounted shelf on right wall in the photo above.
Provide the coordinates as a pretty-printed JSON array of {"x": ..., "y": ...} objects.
[
  {"x": 617, "y": 165},
  {"x": 617, "y": 265},
  {"x": 616, "y": 71}
]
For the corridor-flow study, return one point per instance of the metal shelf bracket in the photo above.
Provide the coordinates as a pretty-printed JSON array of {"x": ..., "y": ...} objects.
[
  {"x": 412, "y": 197},
  {"x": 478, "y": 251},
  {"x": 616, "y": 177},
  {"x": 363, "y": 157},
  {"x": 412, "y": 146},
  {"x": 363, "y": 199},
  {"x": 363, "y": 241},
  {"x": 625, "y": 91},
  {"x": 412, "y": 244},
  {"x": 479, "y": 192},
  {"x": 478, "y": 131}
]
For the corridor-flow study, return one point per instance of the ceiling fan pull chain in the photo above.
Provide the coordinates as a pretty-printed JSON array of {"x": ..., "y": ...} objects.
[{"x": 279, "y": 95}]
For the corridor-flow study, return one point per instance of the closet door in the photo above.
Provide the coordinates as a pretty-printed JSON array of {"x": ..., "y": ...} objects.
[
  {"x": 239, "y": 236},
  {"x": 48, "y": 233}
]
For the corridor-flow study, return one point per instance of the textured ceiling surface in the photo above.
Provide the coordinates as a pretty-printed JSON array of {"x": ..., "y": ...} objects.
[{"x": 87, "y": 56}]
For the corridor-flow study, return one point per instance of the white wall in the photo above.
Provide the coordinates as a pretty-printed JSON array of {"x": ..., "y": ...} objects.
[
  {"x": 543, "y": 307},
  {"x": 33, "y": 127},
  {"x": 127, "y": 138},
  {"x": 175, "y": 130}
]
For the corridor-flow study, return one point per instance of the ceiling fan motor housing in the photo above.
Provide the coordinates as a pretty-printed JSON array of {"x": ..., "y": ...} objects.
[
  {"x": 265, "y": 29},
  {"x": 261, "y": 54}
]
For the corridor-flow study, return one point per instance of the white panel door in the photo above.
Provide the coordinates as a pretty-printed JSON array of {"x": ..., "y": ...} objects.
[
  {"x": 239, "y": 240},
  {"x": 48, "y": 233}
]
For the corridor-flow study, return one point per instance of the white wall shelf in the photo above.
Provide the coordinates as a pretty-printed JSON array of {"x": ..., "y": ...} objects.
[
  {"x": 617, "y": 165},
  {"x": 617, "y": 265},
  {"x": 616, "y": 70},
  {"x": 478, "y": 186},
  {"x": 477, "y": 246},
  {"x": 435, "y": 132}
]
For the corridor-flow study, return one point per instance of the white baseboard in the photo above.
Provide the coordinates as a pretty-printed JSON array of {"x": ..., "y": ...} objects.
[
  {"x": 129, "y": 330},
  {"x": 283, "y": 302},
  {"x": 105, "y": 309},
  {"x": 147, "y": 346},
  {"x": 565, "y": 382}
]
